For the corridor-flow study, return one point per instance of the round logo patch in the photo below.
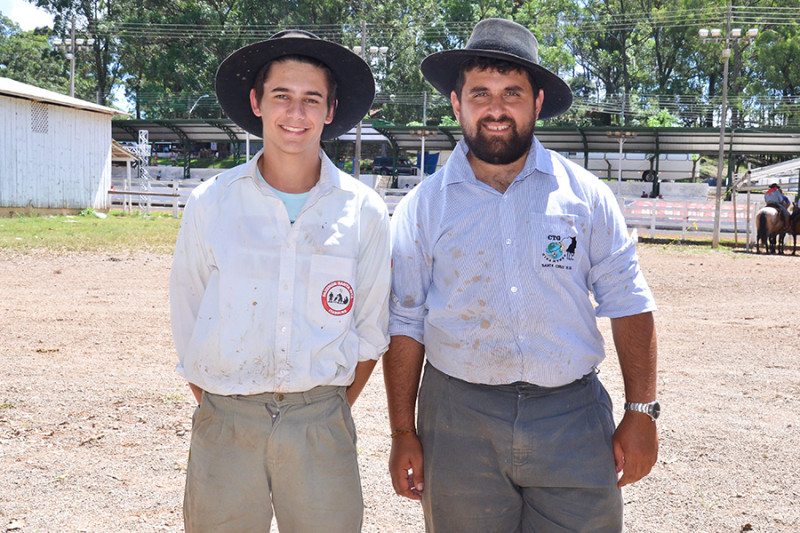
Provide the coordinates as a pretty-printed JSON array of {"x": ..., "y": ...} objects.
[
  {"x": 337, "y": 298},
  {"x": 555, "y": 251}
]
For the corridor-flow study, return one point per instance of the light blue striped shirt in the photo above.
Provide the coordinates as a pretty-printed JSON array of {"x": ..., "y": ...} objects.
[{"x": 497, "y": 286}]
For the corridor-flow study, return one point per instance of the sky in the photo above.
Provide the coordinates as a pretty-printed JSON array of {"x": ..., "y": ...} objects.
[{"x": 28, "y": 16}]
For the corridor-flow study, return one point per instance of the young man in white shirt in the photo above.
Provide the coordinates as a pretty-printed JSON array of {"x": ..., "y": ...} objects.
[
  {"x": 278, "y": 297},
  {"x": 494, "y": 260}
]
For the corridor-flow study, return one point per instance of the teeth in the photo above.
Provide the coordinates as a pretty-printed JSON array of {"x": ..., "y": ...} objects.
[
  {"x": 293, "y": 130},
  {"x": 497, "y": 128}
]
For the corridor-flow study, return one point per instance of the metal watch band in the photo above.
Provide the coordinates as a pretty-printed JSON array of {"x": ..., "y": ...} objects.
[{"x": 652, "y": 409}]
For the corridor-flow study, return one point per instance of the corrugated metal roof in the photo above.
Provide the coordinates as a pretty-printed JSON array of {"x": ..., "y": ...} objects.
[
  {"x": 560, "y": 139},
  {"x": 120, "y": 153},
  {"x": 9, "y": 87}
]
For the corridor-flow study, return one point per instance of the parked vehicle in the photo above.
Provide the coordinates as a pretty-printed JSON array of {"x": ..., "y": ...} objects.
[{"x": 387, "y": 166}]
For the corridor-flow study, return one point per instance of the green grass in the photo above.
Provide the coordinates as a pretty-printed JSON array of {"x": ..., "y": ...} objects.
[
  {"x": 157, "y": 233},
  {"x": 88, "y": 233},
  {"x": 204, "y": 162}
]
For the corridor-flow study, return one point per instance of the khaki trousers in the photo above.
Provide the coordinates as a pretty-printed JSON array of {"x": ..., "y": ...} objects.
[{"x": 293, "y": 454}]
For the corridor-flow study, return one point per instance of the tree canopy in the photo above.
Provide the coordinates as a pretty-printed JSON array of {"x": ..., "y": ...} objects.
[{"x": 629, "y": 62}]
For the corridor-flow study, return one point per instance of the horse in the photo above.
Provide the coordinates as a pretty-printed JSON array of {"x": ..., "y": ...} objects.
[
  {"x": 794, "y": 227},
  {"x": 769, "y": 223}
]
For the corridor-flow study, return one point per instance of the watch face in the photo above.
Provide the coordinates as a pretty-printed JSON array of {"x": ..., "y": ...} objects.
[{"x": 655, "y": 409}]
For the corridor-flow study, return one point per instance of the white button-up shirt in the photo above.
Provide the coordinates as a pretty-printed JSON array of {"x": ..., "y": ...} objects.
[
  {"x": 497, "y": 286},
  {"x": 259, "y": 304}
]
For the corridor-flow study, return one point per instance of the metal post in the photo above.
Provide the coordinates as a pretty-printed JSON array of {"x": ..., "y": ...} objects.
[
  {"x": 726, "y": 54},
  {"x": 619, "y": 170},
  {"x": 424, "y": 125},
  {"x": 357, "y": 155},
  {"x": 749, "y": 184}
]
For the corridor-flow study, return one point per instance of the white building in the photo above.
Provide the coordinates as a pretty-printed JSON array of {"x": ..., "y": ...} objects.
[{"x": 55, "y": 151}]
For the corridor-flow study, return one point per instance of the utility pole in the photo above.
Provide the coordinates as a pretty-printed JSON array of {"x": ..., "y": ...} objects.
[
  {"x": 72, "y": 61},
  {"x": 726, "y": 55}
]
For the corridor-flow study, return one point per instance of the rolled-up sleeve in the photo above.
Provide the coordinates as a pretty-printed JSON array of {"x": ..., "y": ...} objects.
[
  {"x": 411, "y": 272},
  {"x": 617, "y": 282}
]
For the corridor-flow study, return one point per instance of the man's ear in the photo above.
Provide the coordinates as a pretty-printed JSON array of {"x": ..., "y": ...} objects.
[
  {"x": 539, "y": 102},
  {"x": 331, "y": 112},
  {"x": 254, "y": 104},
  {"x": 456, "y": 103}
]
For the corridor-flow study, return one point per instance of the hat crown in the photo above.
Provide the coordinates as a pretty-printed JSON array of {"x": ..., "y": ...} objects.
[
  {"x": 294, "y": 34},
  {"x": 505, "y": 36}
]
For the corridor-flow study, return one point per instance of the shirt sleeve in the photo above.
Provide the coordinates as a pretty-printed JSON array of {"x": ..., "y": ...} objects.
[
  {"x": 411, "y": 272},
  {"x": 373, "y": 283},
  {"x": 188, "y": 279},
  {"x": 617, "y": 282}
]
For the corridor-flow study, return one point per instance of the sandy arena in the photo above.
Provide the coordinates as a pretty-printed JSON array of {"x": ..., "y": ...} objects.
[{"x": 95, "y": 423}]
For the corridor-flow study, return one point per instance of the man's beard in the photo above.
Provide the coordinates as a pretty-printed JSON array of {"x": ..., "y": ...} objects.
[{"x": 497, "y": 150}]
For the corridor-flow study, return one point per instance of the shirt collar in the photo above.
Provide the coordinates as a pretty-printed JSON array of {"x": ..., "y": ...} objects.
[{"x": 459, "y": 170}]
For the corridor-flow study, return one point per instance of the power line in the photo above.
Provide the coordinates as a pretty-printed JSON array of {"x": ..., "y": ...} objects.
[{"x": 590, "y": 23}]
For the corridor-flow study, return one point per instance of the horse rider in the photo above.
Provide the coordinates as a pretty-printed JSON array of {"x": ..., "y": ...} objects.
[{"x": 775, "y": 196}]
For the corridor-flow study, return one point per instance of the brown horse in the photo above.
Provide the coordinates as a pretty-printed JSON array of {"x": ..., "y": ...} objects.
[
  {"x": 769, "y": 225},
  {"x": 794, "y": 227}
]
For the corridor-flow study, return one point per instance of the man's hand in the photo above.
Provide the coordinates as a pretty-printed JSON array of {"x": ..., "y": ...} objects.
[
  {"x": 405, "y": 466},
  {"x": 635, "y": 447}
]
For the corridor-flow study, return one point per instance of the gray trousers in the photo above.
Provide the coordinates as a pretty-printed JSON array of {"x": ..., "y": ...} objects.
[
  {"x": 294, "y": 453},
  {"x": 517, "y": 458}
]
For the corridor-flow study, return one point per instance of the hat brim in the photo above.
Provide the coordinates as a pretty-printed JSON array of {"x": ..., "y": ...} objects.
[
  {"x": 441, "y": 70},
  {"x": 355, "y": 84}
]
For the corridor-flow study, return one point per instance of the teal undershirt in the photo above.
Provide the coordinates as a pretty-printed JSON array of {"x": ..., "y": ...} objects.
[{"x": 293, "y": 202}]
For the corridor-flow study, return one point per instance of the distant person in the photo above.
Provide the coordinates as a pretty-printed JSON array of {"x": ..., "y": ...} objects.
[
  {"x": 279, "y": 298},
  {"x": 774, "y": 195},
  {"x": 502, "y": 261}
]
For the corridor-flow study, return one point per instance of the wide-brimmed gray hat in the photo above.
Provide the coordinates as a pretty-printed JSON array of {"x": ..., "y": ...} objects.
[
  {"x": 236, "y": 76},
  {"x": 500, "y": 39}
]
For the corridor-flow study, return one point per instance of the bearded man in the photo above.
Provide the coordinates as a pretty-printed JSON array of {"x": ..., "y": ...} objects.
[{"x": 494, "y": 259}]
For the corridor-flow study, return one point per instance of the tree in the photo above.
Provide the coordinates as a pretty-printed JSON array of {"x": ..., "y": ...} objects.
[
  {"x": 27, "y": 57},
  {"x": 87, "y": 16}
]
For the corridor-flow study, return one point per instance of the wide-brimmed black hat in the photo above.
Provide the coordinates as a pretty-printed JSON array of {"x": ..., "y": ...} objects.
[
  {"x": 236, "y": 76},
  {"x": 500, "y": 39}
]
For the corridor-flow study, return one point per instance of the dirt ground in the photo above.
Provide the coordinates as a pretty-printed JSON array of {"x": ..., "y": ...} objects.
[{"x": 95, "y": 423}]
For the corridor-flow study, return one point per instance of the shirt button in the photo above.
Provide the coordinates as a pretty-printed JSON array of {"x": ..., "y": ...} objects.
[
  {"x": 520, "y": 337},
  {"x": 508, "y": 242},
  {"x": 283, "y": 329},
  {"x": 280, "y": 397},
  {"x": 513, "y": 289}
]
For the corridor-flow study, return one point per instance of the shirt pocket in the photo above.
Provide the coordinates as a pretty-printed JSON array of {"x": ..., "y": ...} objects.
[
  {"x": 331, "y": 293},
  {"x": 560, "y": 243}
]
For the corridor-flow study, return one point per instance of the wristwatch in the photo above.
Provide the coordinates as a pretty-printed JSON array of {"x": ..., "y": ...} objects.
[{"x": 652, "y": 409}]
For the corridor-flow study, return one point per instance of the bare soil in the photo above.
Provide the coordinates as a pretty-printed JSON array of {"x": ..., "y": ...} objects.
[{"x": 95, "y": 423}]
